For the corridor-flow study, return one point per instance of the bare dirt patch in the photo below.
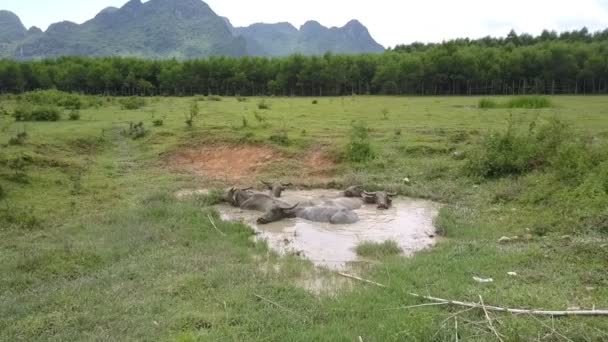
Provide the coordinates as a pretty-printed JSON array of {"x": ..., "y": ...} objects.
[
  {"x": 226, "y": 163},
  {"x": 318, "y": 164}
]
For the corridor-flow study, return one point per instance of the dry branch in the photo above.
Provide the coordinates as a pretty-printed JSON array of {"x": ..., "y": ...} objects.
[
  {"x": 483, "y": 306},
  {"x": 361, "y": 279},
  {"x": 517, "y": 311},
  {"x": 214, "y": 226}
]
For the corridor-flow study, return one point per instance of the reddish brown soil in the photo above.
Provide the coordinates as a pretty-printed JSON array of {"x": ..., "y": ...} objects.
[
  {"x": 244, "y": 163},
  {"x": 228, "y": 163},
  {"x": 319, "y": 164}
]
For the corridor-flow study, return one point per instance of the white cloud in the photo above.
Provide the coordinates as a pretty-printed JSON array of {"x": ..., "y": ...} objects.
[{"x": 389, "y": 21}]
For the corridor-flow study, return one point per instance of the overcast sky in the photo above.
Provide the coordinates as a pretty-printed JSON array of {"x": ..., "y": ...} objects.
[{"x": 389, "y": 21}]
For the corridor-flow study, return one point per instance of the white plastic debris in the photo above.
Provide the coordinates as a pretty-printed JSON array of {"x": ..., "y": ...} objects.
[
  {"x": 512, "y": 274},
  {"x": 483, "y": 280}
]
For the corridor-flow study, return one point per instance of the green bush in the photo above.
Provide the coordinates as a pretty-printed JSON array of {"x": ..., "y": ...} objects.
[
  {"x": 61, "y": 99},
  {"x": 241, "y": 99},
  {"x": 158, "y": 123},
  {"x": 487, "y": 103},
  {"x": 263, "y": 105},
  {"x": 132, "y": 103},
  {"x": 74, "y": 115},
  {"x": 359, "y": 150},
  {"x": 552, "y": 147},
  {"x": 19, "y": 139},
  {"x": 136, "y": 131},
  {"x": 280, "y": 138},
  {"x": 37, "y": 113},
  {"x": 528, "y": 102},
  {"x": 214, "y": 98},
  {"x": 314, "y": 102}
]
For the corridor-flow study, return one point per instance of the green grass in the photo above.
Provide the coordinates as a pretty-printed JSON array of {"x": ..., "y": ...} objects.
[
  {"x": 370, "y": 249},
  {"x": 95, "y": 247},
  {"x": 526, "y": 102}
]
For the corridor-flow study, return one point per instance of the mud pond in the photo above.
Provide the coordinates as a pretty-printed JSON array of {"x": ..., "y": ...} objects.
[{"x": 409, "y": 222}]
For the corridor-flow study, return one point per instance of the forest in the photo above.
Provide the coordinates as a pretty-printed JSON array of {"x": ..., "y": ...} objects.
[{"x": 567, "y": 63}]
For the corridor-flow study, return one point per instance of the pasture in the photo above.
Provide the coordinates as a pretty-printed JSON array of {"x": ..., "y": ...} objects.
[{"x": 96, "y": 246}]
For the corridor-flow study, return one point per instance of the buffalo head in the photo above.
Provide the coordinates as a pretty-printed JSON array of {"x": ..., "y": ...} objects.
[
  {"x": 277, "y": 213},
  {"x": 381, "y": 198},
  {"x": 276, "y": 189},
  {"x": 353, "y": 191},
  {"x": 235, "y": 196}
]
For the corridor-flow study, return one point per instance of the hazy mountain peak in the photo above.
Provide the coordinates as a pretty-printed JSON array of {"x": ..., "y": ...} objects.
[
  {"x": 34, "y": 30},
  {"x": 11, "y": 27},
  {"x": 176, "y": 29}
]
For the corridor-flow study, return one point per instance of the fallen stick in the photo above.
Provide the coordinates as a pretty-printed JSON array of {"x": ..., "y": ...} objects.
[
  {"x": 214, "y": 226},
  {"x": 517, "y": 311},
  {"x": 483, "y": 306},
  {"x": 361, "y": 279},
  {"x": 593, "y": 312},
  {"x": 276, "y": 304}
]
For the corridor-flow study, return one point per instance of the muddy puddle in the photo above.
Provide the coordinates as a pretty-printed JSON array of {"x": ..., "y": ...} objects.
[{"x": 409, "y": 222}]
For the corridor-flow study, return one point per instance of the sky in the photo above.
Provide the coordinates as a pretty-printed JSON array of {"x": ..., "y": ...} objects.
[{"x": 390, "y": 22}]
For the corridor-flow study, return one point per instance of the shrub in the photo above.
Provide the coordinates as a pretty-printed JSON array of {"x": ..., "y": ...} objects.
[
  {"x": 359, "y": 149},
  {"x": 280, "y": 138},
  {"x": 314, "y": 102},
  {"x": 528, "y": 102},
  {"x": 550, "y": 146},
  {"x": 263, "y": 105},
  {"x": 385, "y": 113},
  {"x": 74, "y": 115},
  {"x": 487, "y": 104},
  {"x": 192, "y": 114},
  {"x": 136, "y": 131},
  {"x": 259, "y": 117},
  {"x": 241, "y": 99},
  {"x": 378, "y": 250},
  {"x": 158, "y": 123},
  {"x": 38, "y": 113},
  {"x": 132, "y": 103},
  {"x": 19, "y": 139},
  {"x": 214, "y": 98}
]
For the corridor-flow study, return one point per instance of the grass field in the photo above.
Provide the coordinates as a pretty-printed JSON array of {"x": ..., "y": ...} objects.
[{"x": 95, "y": 245}]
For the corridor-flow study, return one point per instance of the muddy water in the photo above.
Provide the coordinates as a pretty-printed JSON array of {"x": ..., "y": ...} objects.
[{"x": 409, "y": 222}]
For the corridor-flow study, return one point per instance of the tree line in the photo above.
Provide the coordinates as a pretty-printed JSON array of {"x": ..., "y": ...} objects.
[{"x": 461, "y": 67}]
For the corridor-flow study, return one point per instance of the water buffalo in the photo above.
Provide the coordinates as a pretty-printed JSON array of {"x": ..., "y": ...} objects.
[
  {"x": 381, "y": 198},
  {"x": 276, "y": 189},
  {"x": 320, "y": 213},
  {"x": 235, "y": 196},
  {"x": 354, "y": 191}
]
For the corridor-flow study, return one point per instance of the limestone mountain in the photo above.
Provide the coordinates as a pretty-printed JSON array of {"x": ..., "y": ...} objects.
[
  {"x": 312, "y": 38},
  {"x": 180, "y": 29},
  {"x": 11, "y": 28}
]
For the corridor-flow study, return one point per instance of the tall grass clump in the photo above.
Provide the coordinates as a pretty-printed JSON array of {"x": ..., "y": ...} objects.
[
  {"x": 359, "y": 149},
  {"x": 37, "y": 113},
  {"x": 60, "y": 99},
  {"x": 487, "y": 104},
  {"x": 527, "y": 102},
  {"x": 378, "y": 250},
  {"x": 552, "y": 146},
  {"x": 263, "y": 105},
  {"x": 132, "y": 103}
]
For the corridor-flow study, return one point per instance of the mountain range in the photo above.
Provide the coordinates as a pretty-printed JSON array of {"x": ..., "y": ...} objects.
[{"x": 181, "y": 29}]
